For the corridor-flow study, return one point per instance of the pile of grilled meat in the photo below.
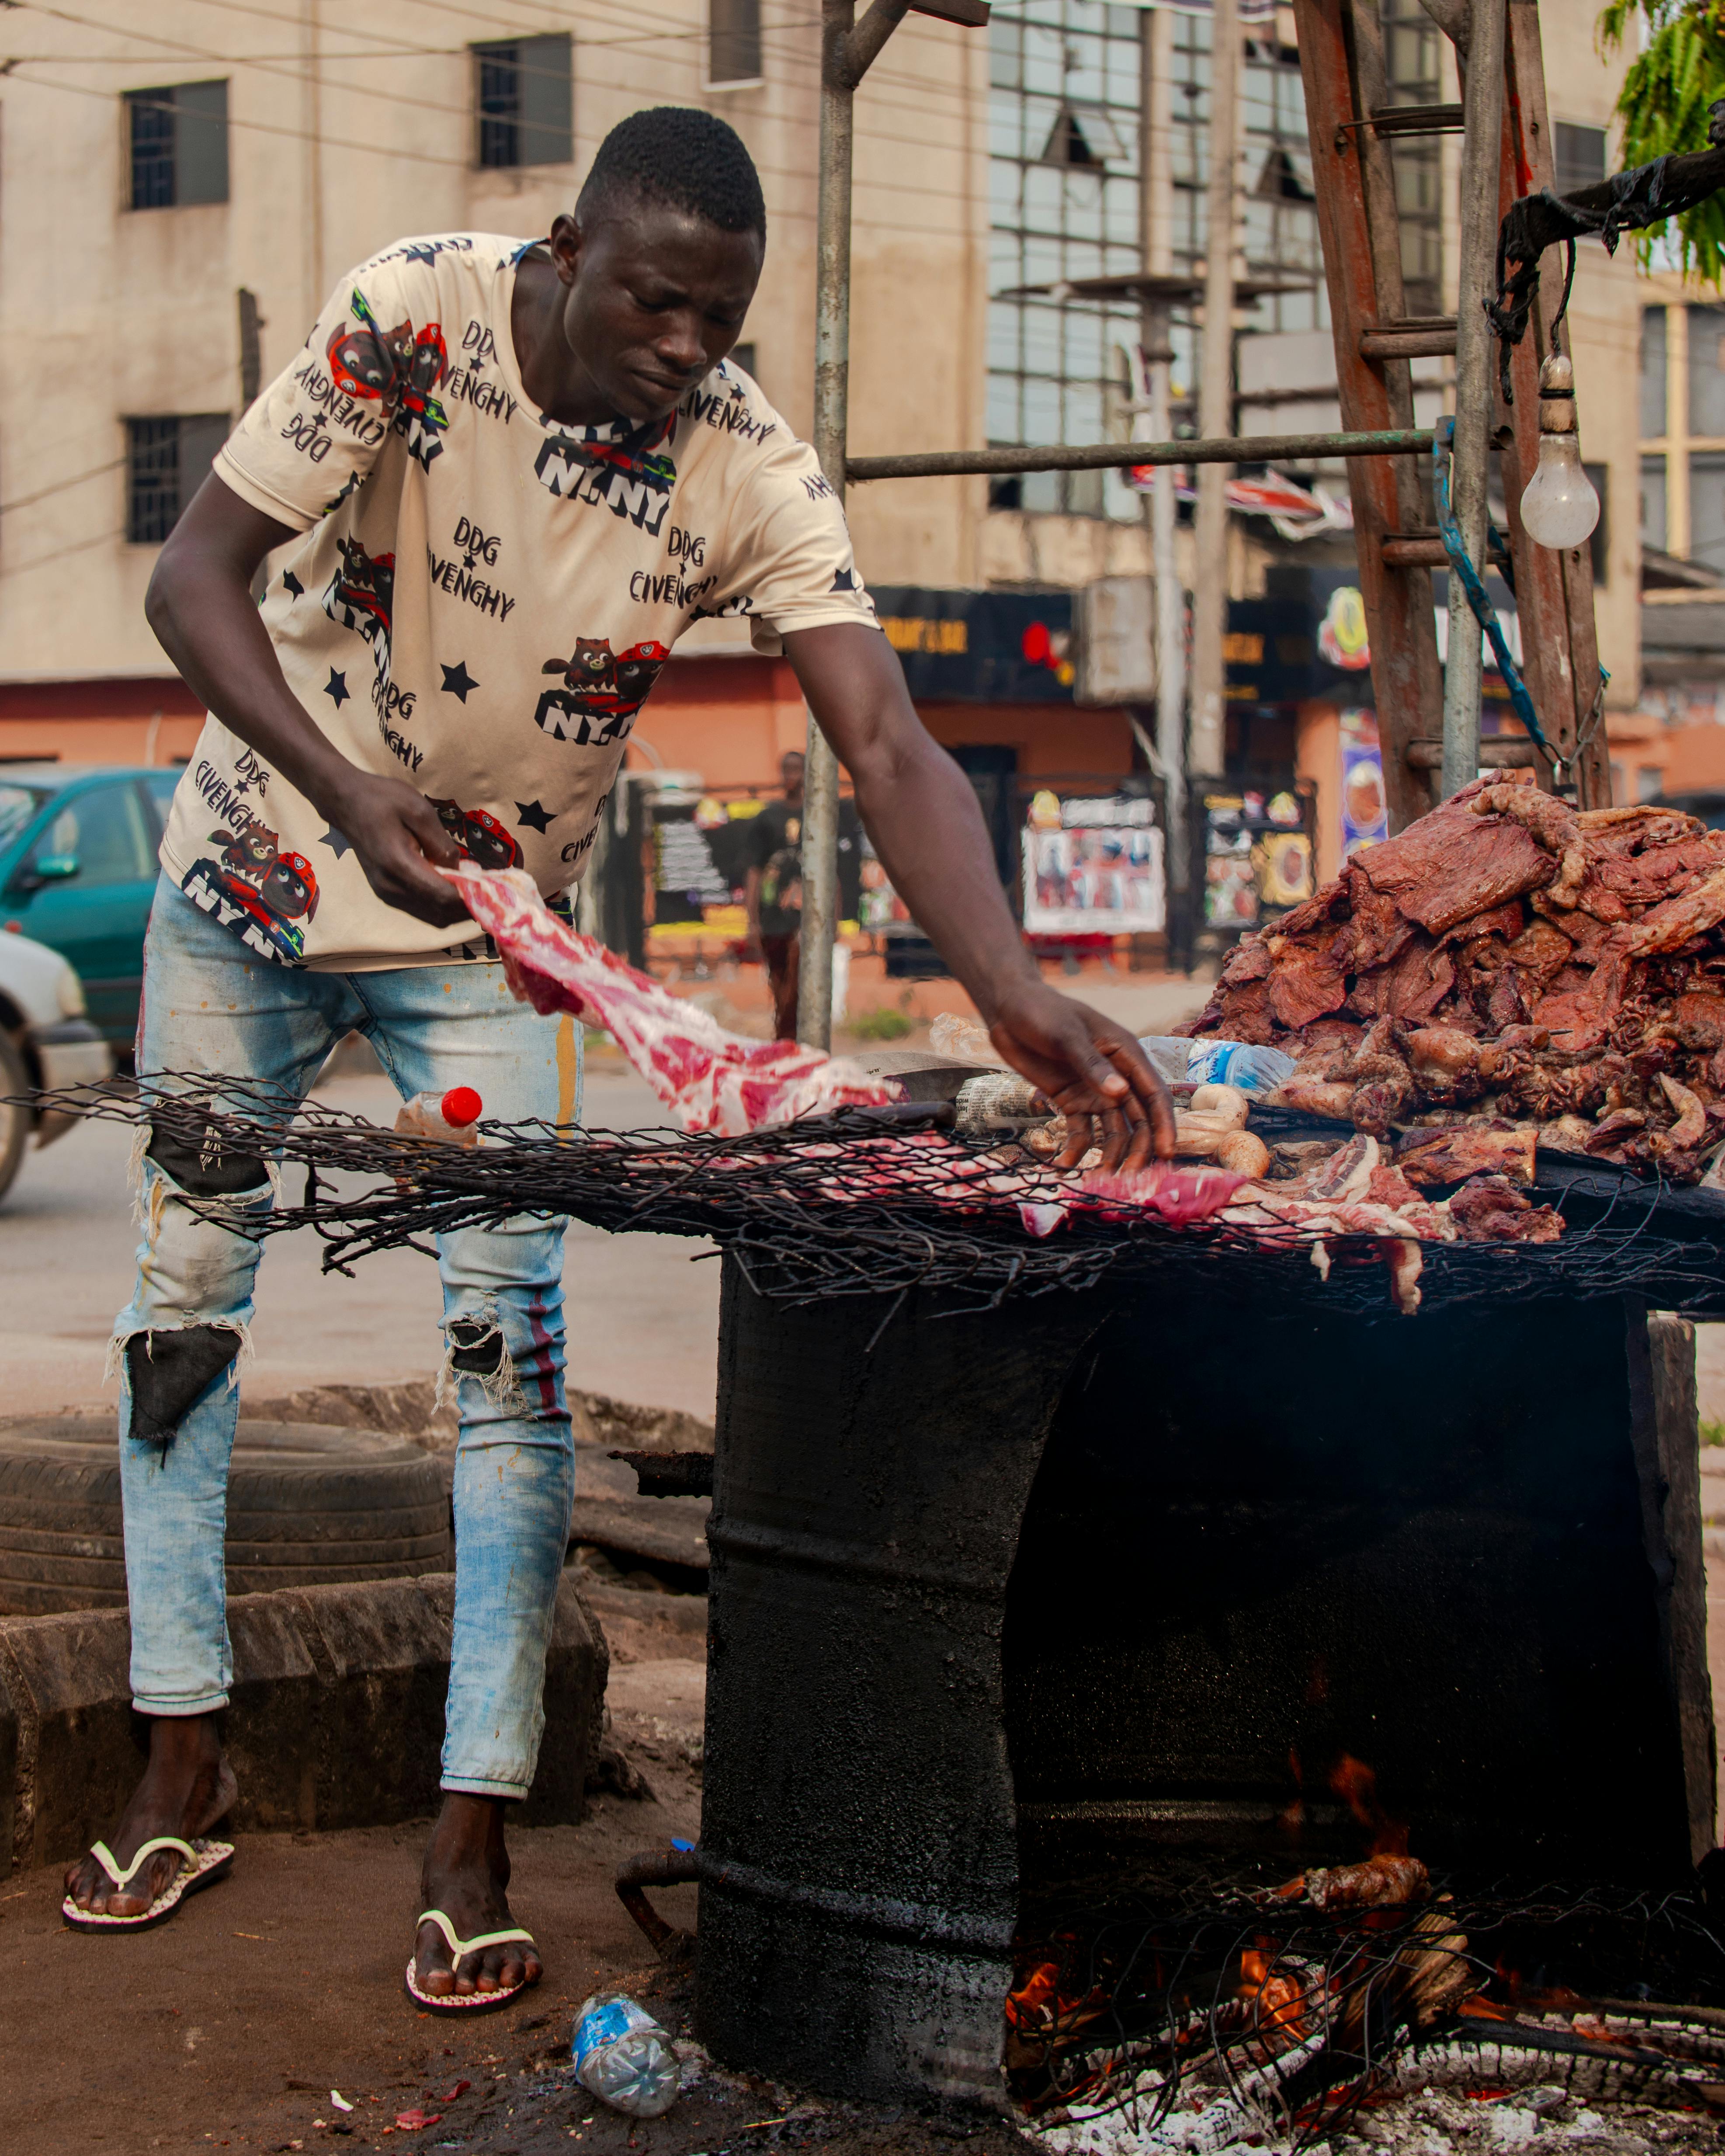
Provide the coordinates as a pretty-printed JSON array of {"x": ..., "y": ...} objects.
[{"x": 1508, "y": 960}]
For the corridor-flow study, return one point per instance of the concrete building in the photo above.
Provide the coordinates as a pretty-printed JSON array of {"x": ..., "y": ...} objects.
[{"x": 181, "y": 187}]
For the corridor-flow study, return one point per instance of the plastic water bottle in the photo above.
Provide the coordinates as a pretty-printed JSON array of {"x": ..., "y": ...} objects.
[
  {"x": 450, "y": 1117},
  {"x": 623, "y": 2056},
  {"x": 1217, "y": 1063}
]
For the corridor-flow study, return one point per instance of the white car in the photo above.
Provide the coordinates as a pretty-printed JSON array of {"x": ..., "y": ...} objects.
[{"x": 46, "y": 1042}]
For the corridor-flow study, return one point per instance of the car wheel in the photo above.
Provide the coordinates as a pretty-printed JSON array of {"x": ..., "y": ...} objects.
[{"x": 15, "y": 1118}]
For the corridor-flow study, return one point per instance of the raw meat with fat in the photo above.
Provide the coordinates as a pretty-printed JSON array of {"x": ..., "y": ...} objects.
[{"x": 709, "y": 1079}]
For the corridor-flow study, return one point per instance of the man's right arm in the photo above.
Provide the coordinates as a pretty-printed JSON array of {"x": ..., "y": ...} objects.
[{"x": 201, "y": 608}]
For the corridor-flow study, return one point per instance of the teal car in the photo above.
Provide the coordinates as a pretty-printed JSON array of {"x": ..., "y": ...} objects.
[{"x": 77, "y": 871}]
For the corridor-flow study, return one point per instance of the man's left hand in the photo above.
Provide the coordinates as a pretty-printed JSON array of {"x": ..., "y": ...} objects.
[{"x": 1093, "y": 1071}]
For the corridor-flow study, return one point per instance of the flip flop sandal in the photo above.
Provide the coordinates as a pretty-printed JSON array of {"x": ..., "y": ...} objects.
[
  {"x": 472, "y": 2002},
  {"x": 205, "y": 1863}
]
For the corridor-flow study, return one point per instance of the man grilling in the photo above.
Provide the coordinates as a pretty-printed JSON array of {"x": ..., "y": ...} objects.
[{"x": 347, "y": 713}]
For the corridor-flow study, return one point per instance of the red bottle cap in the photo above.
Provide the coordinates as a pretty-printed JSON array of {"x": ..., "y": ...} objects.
[{"x": 461, "y": 1105}]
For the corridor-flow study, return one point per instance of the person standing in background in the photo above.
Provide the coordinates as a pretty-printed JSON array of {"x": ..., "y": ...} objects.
[{"x": 774, "y": 892}]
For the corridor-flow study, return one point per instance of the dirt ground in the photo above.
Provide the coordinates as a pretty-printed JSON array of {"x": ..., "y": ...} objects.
[{"x": 233, "y": 2025}]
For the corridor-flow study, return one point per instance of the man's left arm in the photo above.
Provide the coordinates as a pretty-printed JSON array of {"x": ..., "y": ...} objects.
[{"x": 922, "y": 815}]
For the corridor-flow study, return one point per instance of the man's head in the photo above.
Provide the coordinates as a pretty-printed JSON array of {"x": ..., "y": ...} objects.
[
  {"x": 661, "y": 259},
  {"x": 790, "y": 773}
]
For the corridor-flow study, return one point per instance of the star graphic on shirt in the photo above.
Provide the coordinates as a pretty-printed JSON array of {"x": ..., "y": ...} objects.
[
  {"x": 420, "y": 254},
  {"x": 532, "y": 817},
  {"x": 337, "y": 689},
  {"x": 337, "y": 842},
  {"x": 844, "y": 580},
  {"x": 242, "y": 786},
  {"x": 290, "y": 583},
  {"x": 457, "y": 680}
]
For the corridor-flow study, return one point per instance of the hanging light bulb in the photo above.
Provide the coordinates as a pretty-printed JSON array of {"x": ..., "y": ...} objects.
[{"x": 1559, "y": 507}]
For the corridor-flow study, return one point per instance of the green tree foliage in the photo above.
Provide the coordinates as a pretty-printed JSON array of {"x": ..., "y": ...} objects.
[{"x": 1664, "y": 104}]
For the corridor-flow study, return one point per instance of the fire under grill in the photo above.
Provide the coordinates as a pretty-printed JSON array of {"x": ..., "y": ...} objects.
[
  {"x": 1073, "y": 1600},
  {"x": 1048, "y": 1643}
]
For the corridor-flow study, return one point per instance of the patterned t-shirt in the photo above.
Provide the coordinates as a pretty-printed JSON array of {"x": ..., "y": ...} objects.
[{"x": 483, "y": 599}]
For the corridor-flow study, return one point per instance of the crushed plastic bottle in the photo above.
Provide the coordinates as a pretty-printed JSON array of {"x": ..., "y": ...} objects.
[
  {"x": 450, "y": 1117},
  {"x": 623, "y": 2056},
  {"x": 1217, "y": 1063}
]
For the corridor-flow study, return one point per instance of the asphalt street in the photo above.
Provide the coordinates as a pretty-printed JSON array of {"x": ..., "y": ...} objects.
[{"x": 642, "y": 1317}]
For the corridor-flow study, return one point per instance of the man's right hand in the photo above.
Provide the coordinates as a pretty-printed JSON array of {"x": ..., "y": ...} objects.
[
  {"x": 395, "y": 831},
  {"x": 200, "y": 605}
]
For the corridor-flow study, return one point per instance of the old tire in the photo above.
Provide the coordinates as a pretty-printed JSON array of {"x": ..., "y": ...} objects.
[
  {"x": 15, "y": 1119},
  {"x": 306, "y": 1504}
]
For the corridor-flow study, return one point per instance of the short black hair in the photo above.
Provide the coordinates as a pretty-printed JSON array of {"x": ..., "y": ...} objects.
[{"x": 690, "y": 159}]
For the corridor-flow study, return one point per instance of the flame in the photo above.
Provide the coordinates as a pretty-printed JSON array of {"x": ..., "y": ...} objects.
[
  {"x": 1279, "y": 2000},
  {"x": 1357, "y": 1785}
]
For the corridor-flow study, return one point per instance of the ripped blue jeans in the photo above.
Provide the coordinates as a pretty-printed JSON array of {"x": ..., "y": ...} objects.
[{"x": 210, "y": 1005}]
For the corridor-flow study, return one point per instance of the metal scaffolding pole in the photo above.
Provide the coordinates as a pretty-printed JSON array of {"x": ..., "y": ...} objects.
[
  {"x": 848, "y": 49},
  {"x": 1209, "y": 581},
  {"x": 1470, "y": 472},
  {"x": 1156, "y": 214}
]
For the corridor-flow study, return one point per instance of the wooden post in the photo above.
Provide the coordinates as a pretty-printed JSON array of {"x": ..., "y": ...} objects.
[
  {"x": 1554, "y": 591},
  {"x": 1405, "y": 683}
]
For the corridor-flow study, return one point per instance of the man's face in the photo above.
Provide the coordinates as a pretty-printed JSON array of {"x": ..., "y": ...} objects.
[
  {"x": 656, "y": 298},
  {"x": 790, "y": 773}
]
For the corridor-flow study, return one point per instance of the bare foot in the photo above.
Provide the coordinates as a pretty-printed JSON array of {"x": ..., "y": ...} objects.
[
  {"x": 465, "y": 1874},
  {"x": 186, "y": 1787}
]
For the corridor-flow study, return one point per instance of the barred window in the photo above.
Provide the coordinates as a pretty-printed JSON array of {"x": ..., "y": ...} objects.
[
  {"x": 168, "y": 459},
  {"x": 177, "y": 137},
  {"x": 524, "y": 101}
]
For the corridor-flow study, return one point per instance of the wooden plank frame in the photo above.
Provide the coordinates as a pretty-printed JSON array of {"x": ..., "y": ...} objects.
[
  {"x": 1406, "y": 684},
  {"x": 1554, "y": 591}
]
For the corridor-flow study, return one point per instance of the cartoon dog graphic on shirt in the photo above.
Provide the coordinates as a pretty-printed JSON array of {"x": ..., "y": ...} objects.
[
  {"x": 361, "y": 596},
  {"x": 480, "y": 836},
  {"x": 397, "y": 368},
  {"x": 601, "y": 692},
  {"x": 253, "y": 887}
]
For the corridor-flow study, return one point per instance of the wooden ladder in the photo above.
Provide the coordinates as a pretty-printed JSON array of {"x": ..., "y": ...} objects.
[{"x": 1350, "y": 122}]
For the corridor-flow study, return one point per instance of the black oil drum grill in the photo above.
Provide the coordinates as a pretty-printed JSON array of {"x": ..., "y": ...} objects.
[{"x": 1030, "y": 1558}]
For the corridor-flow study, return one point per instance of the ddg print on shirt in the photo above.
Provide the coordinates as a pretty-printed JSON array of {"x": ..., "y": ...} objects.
[{"x": 481, "y": 598}]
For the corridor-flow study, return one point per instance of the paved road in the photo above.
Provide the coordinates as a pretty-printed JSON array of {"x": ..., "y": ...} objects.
[{"x": 643, "y": 1319}]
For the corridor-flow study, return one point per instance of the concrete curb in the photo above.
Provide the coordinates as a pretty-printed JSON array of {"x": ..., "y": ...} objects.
[{"x": 334, "y": 1717}]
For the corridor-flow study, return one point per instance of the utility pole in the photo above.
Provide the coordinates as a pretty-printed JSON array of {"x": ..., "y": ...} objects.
[
  {"x": 1209, "y": 583},
  {"x": 1470, "y": 469},
  {"x": 848, "y": 49},
  {"x": 1156, "y": 165}
]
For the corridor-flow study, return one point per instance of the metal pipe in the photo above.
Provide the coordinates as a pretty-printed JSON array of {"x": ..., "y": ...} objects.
[
  {"x": 838, "y": 77},
  {"x": 1210, "y": 581},
  {"x": 1101, "y": 456},
  {"x": 1470, "y": 470},
  {"x": 1156, "y": 103}
]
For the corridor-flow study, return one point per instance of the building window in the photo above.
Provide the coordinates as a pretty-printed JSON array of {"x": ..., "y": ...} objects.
[
  {"x": 178, "y": 141},
  {"x": 167, "y": 460},
  {"x": 1578, "y": 154},
  {"x": 1598, "y": 546},
  {"x": 1063, "y": 112},
  {"x": 523, "y": 99},
  {"x": 733, "y": 43},
  {"x": 1411, "y": 53}
]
